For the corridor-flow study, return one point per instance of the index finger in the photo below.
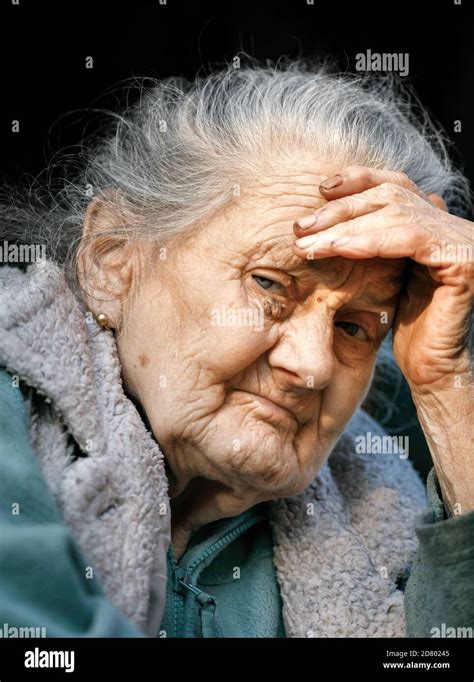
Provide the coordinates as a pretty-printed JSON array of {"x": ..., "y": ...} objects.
[{"x": 354, "y": 179}]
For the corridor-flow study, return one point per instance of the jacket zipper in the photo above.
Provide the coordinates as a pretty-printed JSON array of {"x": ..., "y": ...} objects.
[{"x": 182, "y": 581}]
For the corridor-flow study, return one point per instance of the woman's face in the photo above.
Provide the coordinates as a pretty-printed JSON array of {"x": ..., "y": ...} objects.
[{"x": 247, "y": 360}]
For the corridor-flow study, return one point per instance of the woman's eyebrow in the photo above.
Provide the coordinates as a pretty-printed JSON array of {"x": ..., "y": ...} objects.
[
  {"x": 280, "y": 256},
  {"x": 380, "y": 299},
  {"x": 380, "y": 294}
]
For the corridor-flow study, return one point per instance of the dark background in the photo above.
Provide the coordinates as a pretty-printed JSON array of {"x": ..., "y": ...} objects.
[{"x": 44, "y": 46}]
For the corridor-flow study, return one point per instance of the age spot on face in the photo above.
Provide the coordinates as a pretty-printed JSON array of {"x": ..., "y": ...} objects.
[
  {"x": 274, "y": 308},
  {"x": 143, "y": 359}
]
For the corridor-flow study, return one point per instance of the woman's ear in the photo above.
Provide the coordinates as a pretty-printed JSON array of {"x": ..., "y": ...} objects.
[
  {"x": 438, "y": 201},
  {"x": 105, "y": 257}
]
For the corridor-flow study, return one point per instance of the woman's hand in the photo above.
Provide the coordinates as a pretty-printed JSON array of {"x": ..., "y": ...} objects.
[{"x": 374, "y": 213}]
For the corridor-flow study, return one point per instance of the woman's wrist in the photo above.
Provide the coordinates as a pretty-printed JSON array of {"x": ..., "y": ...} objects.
[{"x": 445, "y": 419}]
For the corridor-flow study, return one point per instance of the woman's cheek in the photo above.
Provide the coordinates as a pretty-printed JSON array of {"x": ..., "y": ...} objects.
[
  {"x": 353, "y": 352},
  {"x": 236, "y": 338},
  {"x": 352, "y": 382}
]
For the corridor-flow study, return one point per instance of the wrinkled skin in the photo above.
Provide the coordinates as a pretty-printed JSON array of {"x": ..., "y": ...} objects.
[
  {"x": 383, "y": 214},
  {"x": 247, "y": 412}
]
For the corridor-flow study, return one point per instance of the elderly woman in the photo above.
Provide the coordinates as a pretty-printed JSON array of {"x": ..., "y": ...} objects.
[{"x": 182, "y": 445}]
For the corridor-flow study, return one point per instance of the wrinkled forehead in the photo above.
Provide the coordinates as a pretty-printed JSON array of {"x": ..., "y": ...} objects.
[
  {"x": 262, "y": 232},
  {"x": 377, "y": 280}
]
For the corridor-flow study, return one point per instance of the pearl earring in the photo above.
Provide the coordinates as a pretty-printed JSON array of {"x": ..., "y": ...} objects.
[{"x": 103, "y": 320}]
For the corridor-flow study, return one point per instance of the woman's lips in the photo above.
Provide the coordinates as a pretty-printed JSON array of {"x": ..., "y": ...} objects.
[{"x": 278, "y": 410}]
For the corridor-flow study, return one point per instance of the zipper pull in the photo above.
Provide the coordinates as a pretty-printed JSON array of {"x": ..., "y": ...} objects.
[
  {"x": 179, "y": 574},
  {"x": 207, "y": 610}
]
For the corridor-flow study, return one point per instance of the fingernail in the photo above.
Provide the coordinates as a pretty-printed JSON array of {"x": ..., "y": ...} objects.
[
  {"x": 306, "y": 222},
  {"x": 318, "y": 241},
  {"x": 332, "y": 182},
  {"x": 306, "y": 242}
]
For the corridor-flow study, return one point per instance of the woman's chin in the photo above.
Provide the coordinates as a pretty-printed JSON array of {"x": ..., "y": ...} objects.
[{"x": 256, "y": 451}]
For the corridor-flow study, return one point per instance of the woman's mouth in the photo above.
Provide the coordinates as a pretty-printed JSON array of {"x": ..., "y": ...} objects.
[{"x": 277, "y": 412}]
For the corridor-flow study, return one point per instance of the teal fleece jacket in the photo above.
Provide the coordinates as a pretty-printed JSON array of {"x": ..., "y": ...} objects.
[
  {"x": 225, "y": 583},
  {"x": 44, "y": 583}
]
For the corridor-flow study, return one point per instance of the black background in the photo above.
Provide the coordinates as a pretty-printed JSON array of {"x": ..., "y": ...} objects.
[{"x": 44, "y": 46}]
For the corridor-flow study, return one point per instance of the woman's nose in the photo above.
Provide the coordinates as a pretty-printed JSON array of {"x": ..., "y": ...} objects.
[{"x": 305, "y": 349}]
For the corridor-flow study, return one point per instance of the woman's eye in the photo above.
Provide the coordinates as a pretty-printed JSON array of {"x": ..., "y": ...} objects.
[
  {"x": 352, "y": 328},
  {"x": 264, "y": 282}
]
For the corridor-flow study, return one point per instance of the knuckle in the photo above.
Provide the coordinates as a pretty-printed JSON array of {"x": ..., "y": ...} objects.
[
  {"x": 392, "y": 192},
  {"x": 399, "y": 211},
  {"x": 404, "y": 180},
  {"x": 342, "y": 208},
  {"x": 362, "y": 174},
  {"x": 385, "y": 189}
]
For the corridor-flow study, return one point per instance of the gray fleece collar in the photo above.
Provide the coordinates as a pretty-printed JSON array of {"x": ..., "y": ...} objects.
[{"x": 115, "y": 499}]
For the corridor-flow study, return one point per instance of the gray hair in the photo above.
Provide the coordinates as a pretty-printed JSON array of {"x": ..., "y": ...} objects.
[{"x": 177, "y": 154}]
